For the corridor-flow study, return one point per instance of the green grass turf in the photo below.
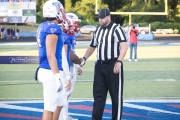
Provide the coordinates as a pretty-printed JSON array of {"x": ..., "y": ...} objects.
[{"x": 152, "y": 77}]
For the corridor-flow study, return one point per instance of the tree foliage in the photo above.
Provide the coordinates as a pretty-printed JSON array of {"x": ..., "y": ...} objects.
[{"x": 85, "y": 9}]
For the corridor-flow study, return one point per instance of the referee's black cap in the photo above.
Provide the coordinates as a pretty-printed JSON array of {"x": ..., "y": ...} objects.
[{"x": 103, "y": 13}]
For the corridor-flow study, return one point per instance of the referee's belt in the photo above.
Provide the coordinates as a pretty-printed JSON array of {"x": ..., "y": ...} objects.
[{"x": 107, "y": 61}]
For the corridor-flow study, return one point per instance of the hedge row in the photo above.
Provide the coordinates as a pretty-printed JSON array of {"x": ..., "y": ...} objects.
[{"x": 162, "y": 25}]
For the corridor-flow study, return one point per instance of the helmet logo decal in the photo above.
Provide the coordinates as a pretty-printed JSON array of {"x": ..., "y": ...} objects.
[{"x": 58, "y": 6}]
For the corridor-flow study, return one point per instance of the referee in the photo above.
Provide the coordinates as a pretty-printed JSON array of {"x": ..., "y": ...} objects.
[{"x": 111, "y": 44}]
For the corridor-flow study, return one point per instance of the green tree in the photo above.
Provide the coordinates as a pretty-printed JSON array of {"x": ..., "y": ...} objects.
[
  {"x": 144, "y": 6},
  {"x": 85, "y": 9}
]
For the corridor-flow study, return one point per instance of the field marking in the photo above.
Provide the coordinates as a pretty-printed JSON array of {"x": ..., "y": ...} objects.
[
  {"x": 125, "y": 104},
  {"x": 34, "y": 81},
  {"x": 91, "y": 100},
  {"x": 89, "y": 70},
  {"x": 88, "y": 42},
  {"x": 149, "y": 108},
  {"x": 5, "y": 105},
  {"x": 144, "y": 99}
]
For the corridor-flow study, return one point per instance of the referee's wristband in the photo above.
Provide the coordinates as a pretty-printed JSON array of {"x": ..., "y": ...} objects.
[
  {"x": 84, "y": 58},
  {"x": 119, "y": 61}
]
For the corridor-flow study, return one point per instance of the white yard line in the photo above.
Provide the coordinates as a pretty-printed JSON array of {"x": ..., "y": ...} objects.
[
  {"x": 88, "y": 42},
  {"x": 108, "y": 101},
  {"x": 88, "y": 70},
  {"x": 5, "y": 104},
  {"x": 33, "y": 81},
  {"x": 150, "y": 109}
]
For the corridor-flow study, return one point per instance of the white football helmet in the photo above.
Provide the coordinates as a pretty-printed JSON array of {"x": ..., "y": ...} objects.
[
  {"x": 68, "y": 26},
  {"x": 75, "y": 21},
  {"x": 54, "y": 9},
  {"x": 74, "y": 17}
]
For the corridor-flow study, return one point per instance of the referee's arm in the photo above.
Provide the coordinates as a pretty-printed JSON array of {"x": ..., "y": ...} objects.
[
  {"x": 89, "y": 52},
  {"x": 91, "y": 48},
  {"x": 120, "y": 35},
  {"x": 123, "y": 50}
]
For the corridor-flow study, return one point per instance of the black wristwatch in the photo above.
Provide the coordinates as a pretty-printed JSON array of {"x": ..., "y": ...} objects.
[
  {"x": 84, "y": 58},
  {"x": 119, "y": 61}
]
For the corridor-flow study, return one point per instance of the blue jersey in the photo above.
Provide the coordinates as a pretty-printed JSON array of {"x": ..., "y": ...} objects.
[
  {"x": 67, "y": 40},
  {"x": 43, "y": 30},
  {"x": 71, "y": 42}
]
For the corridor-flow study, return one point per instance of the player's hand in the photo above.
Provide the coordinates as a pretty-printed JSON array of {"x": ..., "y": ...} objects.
[
  {"x": 59, "y": 85},
  {"x": 82, "y": 62},
  {"x": 68, "y": 85},
  {"x": 117, "y": 67},
  {"x": 79, "y": 70}
]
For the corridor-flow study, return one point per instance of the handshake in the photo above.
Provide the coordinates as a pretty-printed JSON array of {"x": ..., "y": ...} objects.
[
  {"x": 83, "y": 60},
  {"x": 76, "y": 60}
]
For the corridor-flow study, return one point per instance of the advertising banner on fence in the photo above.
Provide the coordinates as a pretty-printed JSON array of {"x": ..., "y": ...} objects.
[
  {"x": 29, "y": 5},
  {"x": 3, "y": 12},
  {"x": 28, "y": 19},
  {"x": 3, "y": 19},
  {"x": 15, "y": 5},
  {"x": 15, "y": 12},
  {"x": 18, "y": 11},
  {"x": 14, "y": 19},
  {"x": 29, "y": 12}
]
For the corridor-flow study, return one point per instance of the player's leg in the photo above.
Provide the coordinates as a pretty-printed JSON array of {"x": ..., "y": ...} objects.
[
  {"x": 62, "y": 101},
  {"x": 73, "y": 80},
  {"x": 57, "y": 113},
  {"x": 47, "y": 78},
  {"x": 65, "y": 108}
]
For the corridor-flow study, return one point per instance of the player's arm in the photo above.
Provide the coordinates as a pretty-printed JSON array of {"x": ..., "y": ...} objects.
[
  {"x": 88, "y": 53},
  {"x": 74, "y": 58},
  {"x": 66, "y": 69},
  {"x": 66, "y": 48},
  {"x": 79, "y": 70},
  {"x": 51, "y": 41}
]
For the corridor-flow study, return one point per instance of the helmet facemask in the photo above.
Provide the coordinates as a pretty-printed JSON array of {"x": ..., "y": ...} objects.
[{"x": 75, "y": 21}]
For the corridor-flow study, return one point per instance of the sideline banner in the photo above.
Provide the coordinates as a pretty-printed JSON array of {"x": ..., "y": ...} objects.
[
  {"x": 19, "y": 59},
  {"x": 18, "y": 11},
  {"x": 15, "y": 5},
  {"x": 15, "y": 19}
]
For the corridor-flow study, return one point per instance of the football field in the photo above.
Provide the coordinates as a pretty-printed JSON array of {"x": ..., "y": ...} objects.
[{"x": 151, "y": 85}]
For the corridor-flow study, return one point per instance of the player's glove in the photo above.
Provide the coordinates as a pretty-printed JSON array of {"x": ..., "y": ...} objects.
[{"x": 59, "y": 85}]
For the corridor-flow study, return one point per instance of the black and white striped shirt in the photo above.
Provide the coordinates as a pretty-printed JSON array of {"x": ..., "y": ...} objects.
[{"x": 107, "y": 40}]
